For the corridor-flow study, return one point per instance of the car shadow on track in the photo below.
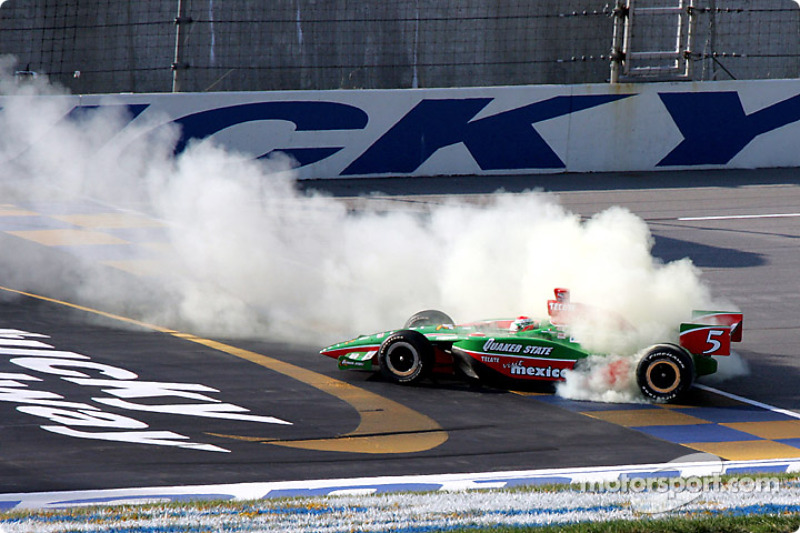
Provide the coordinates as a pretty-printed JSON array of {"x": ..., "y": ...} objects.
[
  {"x": 705, "y": 256},
  {"x": 485, "y": 386}
]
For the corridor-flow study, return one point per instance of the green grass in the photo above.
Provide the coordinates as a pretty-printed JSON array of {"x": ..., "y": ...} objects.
[
  {"x": 703, "y": 522},
  {"x": 708, "y": 524},
  {"x": 715, "y": 524}
]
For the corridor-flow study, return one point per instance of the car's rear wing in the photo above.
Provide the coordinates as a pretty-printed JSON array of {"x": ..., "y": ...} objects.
[{"x": 711, "y": 332}]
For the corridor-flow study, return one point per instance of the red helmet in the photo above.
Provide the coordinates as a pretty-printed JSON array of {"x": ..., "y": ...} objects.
[{"x": 523, "y": 323}]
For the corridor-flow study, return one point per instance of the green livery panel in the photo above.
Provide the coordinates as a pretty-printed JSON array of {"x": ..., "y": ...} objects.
[{"x": 526, "y": 349}]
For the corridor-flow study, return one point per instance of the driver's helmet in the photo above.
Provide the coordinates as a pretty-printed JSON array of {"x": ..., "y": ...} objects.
[
  {"x": 562, "y": 295},
  {"x": 522, "y": 323}
]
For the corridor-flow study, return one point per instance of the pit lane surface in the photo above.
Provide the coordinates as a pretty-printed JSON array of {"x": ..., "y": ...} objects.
[{"x": 752, "y": 261}]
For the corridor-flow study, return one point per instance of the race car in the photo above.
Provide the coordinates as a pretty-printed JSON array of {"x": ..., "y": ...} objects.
[{"x": 524, "y": 349}]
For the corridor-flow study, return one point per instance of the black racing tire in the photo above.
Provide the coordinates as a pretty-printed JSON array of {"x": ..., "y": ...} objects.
[
  {"x": 406, "y": 357},
  {"x": 429, "y": 317},
  {"x": 665, "y": 373}
]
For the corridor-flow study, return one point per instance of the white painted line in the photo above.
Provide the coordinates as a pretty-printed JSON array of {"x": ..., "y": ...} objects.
[
  {"x": 433, "y": 482},
  {"x": 740, "y": 217},
  {"x": 748, "y": 401}
]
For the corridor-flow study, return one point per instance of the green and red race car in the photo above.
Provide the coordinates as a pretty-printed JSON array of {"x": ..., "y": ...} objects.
[{"x": 525, "y": 349}]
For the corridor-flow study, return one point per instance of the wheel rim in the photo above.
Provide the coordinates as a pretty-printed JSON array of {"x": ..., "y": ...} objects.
[
  {"x": 663, "y": 376},
  {"x": 402, "y": 359}
]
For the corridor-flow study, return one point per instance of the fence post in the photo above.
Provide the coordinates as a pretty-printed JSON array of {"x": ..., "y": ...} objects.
[
  {"x": 178, "y": 64},
  {"x": 620, "y": 13}
]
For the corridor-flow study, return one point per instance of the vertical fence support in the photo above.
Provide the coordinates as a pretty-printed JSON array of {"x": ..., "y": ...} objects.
[
  {"x": 181, "y": 35},
  {"x": 618, "y": 41}
]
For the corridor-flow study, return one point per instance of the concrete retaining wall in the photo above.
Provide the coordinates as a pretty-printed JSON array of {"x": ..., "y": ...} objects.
[{"x": 490, "y": 131}]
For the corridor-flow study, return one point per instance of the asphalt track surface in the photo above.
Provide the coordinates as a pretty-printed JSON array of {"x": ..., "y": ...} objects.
[{"x": 740, "y": 228}]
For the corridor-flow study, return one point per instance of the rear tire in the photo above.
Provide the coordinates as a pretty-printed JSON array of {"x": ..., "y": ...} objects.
[
  {"x": 429, "y": 317},
  {"x": 406, "y": 357},
  {"x": 665, "y": 373}
]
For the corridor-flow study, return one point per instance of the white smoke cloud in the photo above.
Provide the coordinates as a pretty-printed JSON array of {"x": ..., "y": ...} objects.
[
  {"x": 732, "y": 366},
  {"x": 603, "y": 378},
  {"x": 248, "y": 254}
]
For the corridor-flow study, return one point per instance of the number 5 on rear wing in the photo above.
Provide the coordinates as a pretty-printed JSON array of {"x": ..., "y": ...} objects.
[{"x": 711, "y": 332}]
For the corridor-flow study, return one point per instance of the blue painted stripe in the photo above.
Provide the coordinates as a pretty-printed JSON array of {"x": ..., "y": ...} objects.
[
  {"x": 64, "y": 207},
  {"x": 727, "y": 415},
  {"x": 379, "y": 485},
  {"x": 789, "y": 442},
  {"x": 32, "y": 223},
  {"x": 176, "y": 497},
  {"x": 582, "y": 406},
  {"x": 754, "y": 469},
  {"x": 526, "y": 481},
  {"x": 139, "y": 235},
  {"x": 376, "y": 489},
  {"x": 658, "y": 474},
  {"x": 762, "y": 509},
  {"x": 696, "y": 433},
  {"x": 8, "y": 505}
]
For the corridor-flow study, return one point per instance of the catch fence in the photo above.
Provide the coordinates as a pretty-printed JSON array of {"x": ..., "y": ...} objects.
[{"x": 101, "y": 46}]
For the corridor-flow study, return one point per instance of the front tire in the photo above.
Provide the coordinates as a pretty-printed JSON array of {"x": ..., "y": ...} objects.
[
  {"x": 406, "y": 357},
  {"x": 429, "y": 317},
  {"x": 665, "y": 373}
]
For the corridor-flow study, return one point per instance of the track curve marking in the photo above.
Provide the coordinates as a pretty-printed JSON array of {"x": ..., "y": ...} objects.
[{"x": 386, "y": 427}]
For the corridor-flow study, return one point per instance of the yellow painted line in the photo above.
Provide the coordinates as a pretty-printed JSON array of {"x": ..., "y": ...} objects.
[
  {"x": 160, "y": 247},
  {"x": 386, "y": 426},
  {"x": 646, "y": 417},
  {"x": 67, "y": 237},
  {"x": 109, "y": 220},
  {"x": 10, "y": 210},
  {"x": 749, "y": 450},
  {"x": 138, "y": 267},
  {"x": 776, "y": 430}
]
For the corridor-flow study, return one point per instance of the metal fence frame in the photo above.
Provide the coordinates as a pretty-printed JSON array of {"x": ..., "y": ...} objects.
[{"x": 99, "y": 46}]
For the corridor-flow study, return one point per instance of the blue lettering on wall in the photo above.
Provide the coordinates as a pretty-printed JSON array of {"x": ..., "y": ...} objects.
[
  {"x": 84, "y": 112},
  {"x": 715, "y": 127},
  {"x": 306, "y": 116},
  {"x": 429, "y": 126},
  {"x": 81, "y": 115},
  {"x": 505, "y": 141}
]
